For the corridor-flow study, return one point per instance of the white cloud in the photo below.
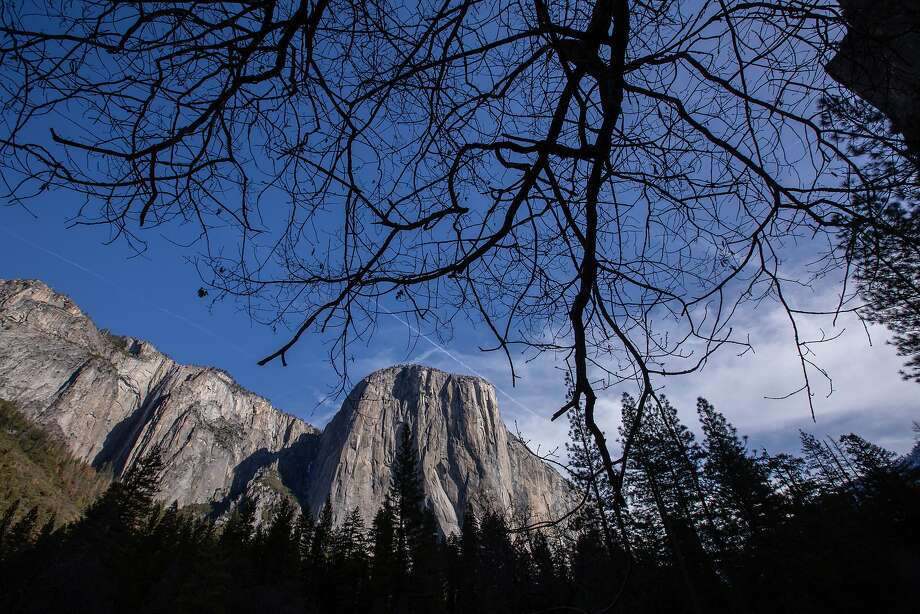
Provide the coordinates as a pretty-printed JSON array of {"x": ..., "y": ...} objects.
[{"x": 869, "y": 397}]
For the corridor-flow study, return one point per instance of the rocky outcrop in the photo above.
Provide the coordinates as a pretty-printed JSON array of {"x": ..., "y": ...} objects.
[
  {"x": 466, "y": 454},
  {"x": 879, "y": 60},
  {"x": 111, "y": 399}
]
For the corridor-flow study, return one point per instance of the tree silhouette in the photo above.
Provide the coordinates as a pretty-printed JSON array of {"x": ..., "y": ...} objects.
[
  {"x": 611, "y": 181},
  {"x": 384, "y": 570},
  {"x": 792, "y": 534},
  {"x": 740, "y": 491}
]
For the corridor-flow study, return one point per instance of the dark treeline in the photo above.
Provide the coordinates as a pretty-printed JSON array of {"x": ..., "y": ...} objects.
[{"x": 707, "y": 526}]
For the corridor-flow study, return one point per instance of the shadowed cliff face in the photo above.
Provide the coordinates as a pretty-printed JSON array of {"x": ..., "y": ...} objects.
[
  {"x": 112, "y": 399},
  {"x": 466, "y": 454},
  {"x": 879, "y": 60}
]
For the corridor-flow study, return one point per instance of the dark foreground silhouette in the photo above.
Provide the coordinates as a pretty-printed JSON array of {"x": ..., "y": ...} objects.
[{"x": 706, "y": 526}]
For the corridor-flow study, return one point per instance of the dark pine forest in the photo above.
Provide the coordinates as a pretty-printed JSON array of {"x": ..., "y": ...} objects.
[{"x": 706, "y": 525}]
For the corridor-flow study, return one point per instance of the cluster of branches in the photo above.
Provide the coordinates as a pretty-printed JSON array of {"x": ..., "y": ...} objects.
[
  {"x": 607, "y": 180},
  {"x": 884, "y": 257}
]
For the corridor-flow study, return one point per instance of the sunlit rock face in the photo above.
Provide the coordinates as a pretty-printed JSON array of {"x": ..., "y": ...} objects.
[
  {"x": 467, "y": 456},
  {"x": 112, "y": 399}
]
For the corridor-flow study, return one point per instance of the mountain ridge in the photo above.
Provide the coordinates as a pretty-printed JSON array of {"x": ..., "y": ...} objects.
[{"x": 113, "y": 398}]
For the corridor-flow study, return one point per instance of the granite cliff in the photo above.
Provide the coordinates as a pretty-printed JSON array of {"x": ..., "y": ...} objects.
[
  {"x": 110, "y": 399},
  {"x": 466, "y": 454}
]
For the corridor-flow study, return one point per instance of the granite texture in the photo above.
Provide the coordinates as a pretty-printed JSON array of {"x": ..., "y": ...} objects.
[{"x": 112, "y": 399}]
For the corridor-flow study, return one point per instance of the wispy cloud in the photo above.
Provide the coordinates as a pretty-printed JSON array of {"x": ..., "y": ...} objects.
[{"x": 868, "y": 396}]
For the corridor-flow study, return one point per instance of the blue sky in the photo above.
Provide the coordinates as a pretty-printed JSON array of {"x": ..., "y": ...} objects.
[{"x": 153, "y": 296}]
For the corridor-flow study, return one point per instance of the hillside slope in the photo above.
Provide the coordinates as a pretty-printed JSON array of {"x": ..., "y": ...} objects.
[{"x": 38, "y": 470}]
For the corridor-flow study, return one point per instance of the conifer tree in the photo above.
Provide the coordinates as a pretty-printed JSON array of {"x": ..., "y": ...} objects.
[
  {"x": 165, "y": 533},
  {"x": 304, "y": 534},
  {"x": 595, "y": 579},
  {"x": 847, "y": 548},
  {"x": 499, "y": 563},
  {"x": 825, "y": 464},
  {"x": 317, "y": 568},
  {"x": 415, "y": 537},
  {"x": 321, "y": 545},
  {"x": 793, "y": 485},
  {"x": 587, "y": 472},
  {"x": 408, "y": 498},
  {"x": 869, "y": 458},
  {"x": 383, "y": 556},
  {"x": 663, "y": 485},
  {"x": 350, "y": 564},
  {"x": 237, "y": 532},
  {"x": 546, "y": 578},
  {"x": 279, "y": 549},
  {"x": 470, "y": 542},
  {"x": 126, "y": 504},
  {"x": 469, "y": 563},
  {"x": 739, "y": 487}
]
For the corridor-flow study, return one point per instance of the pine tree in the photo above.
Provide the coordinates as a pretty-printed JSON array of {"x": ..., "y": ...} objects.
[
  {"x": 826, "y": 465},
  {"x": 739, "y": 487},
  {"x": 415, "y": 534},
  {"x": 238, "y": 530},
  {"x": 794, "y": 485},
  {"x": 547, "y": 577},
  {"x": 304, "y": 535},
  {"x": 595, "y": 580},
  {"x": 321, "y": 545},
  {"x": 663, "y": 475},
  {"x": 127, "y": 503},
  {"x": 499, "y": 564},
  {"x": 870, "y": 460},
  {"x": 350, "y": 563},
  {"x": 406, "y": 493},
  {"x": 469, "y": 563},
  {"x": 587, "y": 472},
  {"x": 888, "y": 274},
  {"x": 165, "y": 533},
  {"x": 115, "y": 529},
  {"x": 384, "y": 575},
  {"x": 280, "y": 550},
  {"x": 407, "y": 497},
  {"x": 318, "y": 573}
]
